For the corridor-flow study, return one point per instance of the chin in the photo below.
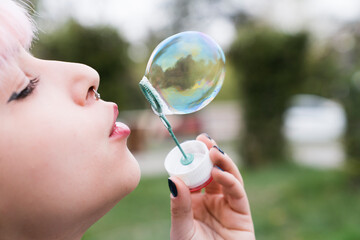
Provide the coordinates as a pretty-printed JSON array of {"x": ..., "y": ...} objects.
[
  {"x": 121, "y": 183},
  {"x": 133, "y": 174},
  {"x": 136, "y": 174}
]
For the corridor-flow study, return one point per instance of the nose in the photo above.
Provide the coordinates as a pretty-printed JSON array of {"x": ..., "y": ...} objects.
[{"x": 81, "y": 80}]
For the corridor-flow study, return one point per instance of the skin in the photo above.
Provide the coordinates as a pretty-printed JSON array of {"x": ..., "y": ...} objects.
[
  {"x": 221, "y": 212},
  {"x": 59, "y": 170}
]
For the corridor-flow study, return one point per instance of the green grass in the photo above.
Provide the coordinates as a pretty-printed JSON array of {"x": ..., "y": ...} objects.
[
  {"x": 144, "y": 214},
  {"x": 290, "y": 202},
  {"x": 287, "y": 202}
]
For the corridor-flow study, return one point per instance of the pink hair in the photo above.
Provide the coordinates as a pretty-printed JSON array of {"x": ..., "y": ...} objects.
[{"x": 16, "y": 30}]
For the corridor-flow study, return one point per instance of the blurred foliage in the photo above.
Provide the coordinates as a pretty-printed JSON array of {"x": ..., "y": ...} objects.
[
  {"x": 323, "y": 74},
  {"x": 351, "y": 103},
  {"x": 272, "y": 65},
  {"x": 103, "y": 49},
  {"x": 352, "y": 136},
  {"x": 350, "y": 65}
]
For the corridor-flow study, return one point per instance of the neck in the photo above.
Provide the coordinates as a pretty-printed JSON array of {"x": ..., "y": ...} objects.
[
  {"x": 43, "y": 230},
  {"x": 50, "y": 234}
]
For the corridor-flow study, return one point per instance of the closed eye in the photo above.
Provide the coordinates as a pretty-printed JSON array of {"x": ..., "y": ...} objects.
[{"x": 26, "y": 91}]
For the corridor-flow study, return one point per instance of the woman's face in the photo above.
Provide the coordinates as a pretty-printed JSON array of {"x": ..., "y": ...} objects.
[{"x": 59, "y": 153}]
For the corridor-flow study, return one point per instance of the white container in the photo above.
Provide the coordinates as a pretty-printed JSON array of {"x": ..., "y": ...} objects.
[{"x": 195, "y": 175}]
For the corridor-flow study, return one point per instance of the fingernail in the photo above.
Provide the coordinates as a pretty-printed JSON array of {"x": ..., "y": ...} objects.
[
  {"x": 207, "y": 135},
  {"x": 219, "y": 168},
  {"x": 172, "y": 188},
  {"x": 219, "y": 149}
]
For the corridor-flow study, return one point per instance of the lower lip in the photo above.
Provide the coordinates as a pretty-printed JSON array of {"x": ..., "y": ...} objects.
[{"x": 120, "y": 130}]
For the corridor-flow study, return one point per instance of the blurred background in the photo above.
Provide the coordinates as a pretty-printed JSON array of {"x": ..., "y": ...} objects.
[{"x": 287, "y": 113}]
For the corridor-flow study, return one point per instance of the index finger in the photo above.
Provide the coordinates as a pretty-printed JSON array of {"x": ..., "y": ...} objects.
[
  {"x": 223, "y": 161},
  {"x": 205, "y": 138}
]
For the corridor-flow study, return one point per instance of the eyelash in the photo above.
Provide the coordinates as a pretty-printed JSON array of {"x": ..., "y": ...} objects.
[{"x": 26, "y": 91}]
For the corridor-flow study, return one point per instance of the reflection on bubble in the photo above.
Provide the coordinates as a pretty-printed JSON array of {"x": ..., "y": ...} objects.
[{"x": 187, "y": 71}]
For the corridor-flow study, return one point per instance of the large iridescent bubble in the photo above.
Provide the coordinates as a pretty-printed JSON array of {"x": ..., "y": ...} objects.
[{"x": 184, "y": 73}]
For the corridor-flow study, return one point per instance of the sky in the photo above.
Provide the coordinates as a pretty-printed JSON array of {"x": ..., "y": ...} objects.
[{"x": 134, "y": 19}]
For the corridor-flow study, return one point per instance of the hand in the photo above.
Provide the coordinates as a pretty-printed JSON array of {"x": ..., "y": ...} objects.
[{"x": 221, "y": 212}]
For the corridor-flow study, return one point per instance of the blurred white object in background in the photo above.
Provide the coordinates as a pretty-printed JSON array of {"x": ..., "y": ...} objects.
[
  {"x": 314, "y": 126},
  {"x": 314, "y": 119}
]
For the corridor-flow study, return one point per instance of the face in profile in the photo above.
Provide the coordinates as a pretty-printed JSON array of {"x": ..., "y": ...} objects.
[{"x": 61, "y": 153}]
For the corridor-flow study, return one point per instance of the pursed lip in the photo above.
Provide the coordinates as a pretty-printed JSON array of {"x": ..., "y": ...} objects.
[{"x": 118, "y": 129}]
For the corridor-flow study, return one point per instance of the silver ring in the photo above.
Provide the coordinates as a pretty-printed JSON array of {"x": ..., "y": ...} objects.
[{"x": 97, "y": 95}]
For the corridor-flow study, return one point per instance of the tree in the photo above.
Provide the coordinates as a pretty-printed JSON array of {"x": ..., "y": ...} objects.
[
  {"x": 272, "y": 68},
  {"x": 350, "y": 64},
  {"x": 100, "y": 47}
]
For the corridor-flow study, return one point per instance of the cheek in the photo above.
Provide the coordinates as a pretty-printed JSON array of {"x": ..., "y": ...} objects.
[
  {"x": 48, "y": 153},
  {"x": 59, "y": 157},
  {"x": 57, "y": 160}
]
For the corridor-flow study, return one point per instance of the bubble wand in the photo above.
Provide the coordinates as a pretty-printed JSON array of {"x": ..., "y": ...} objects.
[{"x": 152, "y": 96}]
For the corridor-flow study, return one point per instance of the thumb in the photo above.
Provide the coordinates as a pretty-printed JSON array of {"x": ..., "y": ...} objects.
[{"x": 182, "y": 223}]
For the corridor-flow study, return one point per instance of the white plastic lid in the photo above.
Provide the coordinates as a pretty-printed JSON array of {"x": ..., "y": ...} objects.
[{"x": 195, "y": 174}]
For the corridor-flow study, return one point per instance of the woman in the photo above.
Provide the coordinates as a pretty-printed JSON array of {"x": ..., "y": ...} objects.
[{"x": 64, "y": 162}]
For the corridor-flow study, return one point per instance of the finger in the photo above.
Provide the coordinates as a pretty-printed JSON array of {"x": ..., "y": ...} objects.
[
  {"x": 223, "y": 161},
  {"x": 213, "y": 187},
  {"x": 231, "y": 186},
  {"x": 205, "y": 138},
  {"x": 182, "y": 223},
  {"x": 233, "y": 190}
]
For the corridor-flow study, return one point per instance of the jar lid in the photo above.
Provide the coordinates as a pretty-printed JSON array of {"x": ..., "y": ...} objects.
[{"x": 195, "y": 175}]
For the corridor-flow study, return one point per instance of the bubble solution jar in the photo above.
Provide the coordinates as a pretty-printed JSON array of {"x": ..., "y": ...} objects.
[{"x": 184, "y": 73}]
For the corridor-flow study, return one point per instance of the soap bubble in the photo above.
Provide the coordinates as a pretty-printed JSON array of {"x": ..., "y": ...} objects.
[{"x": 184, "y": 73}]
